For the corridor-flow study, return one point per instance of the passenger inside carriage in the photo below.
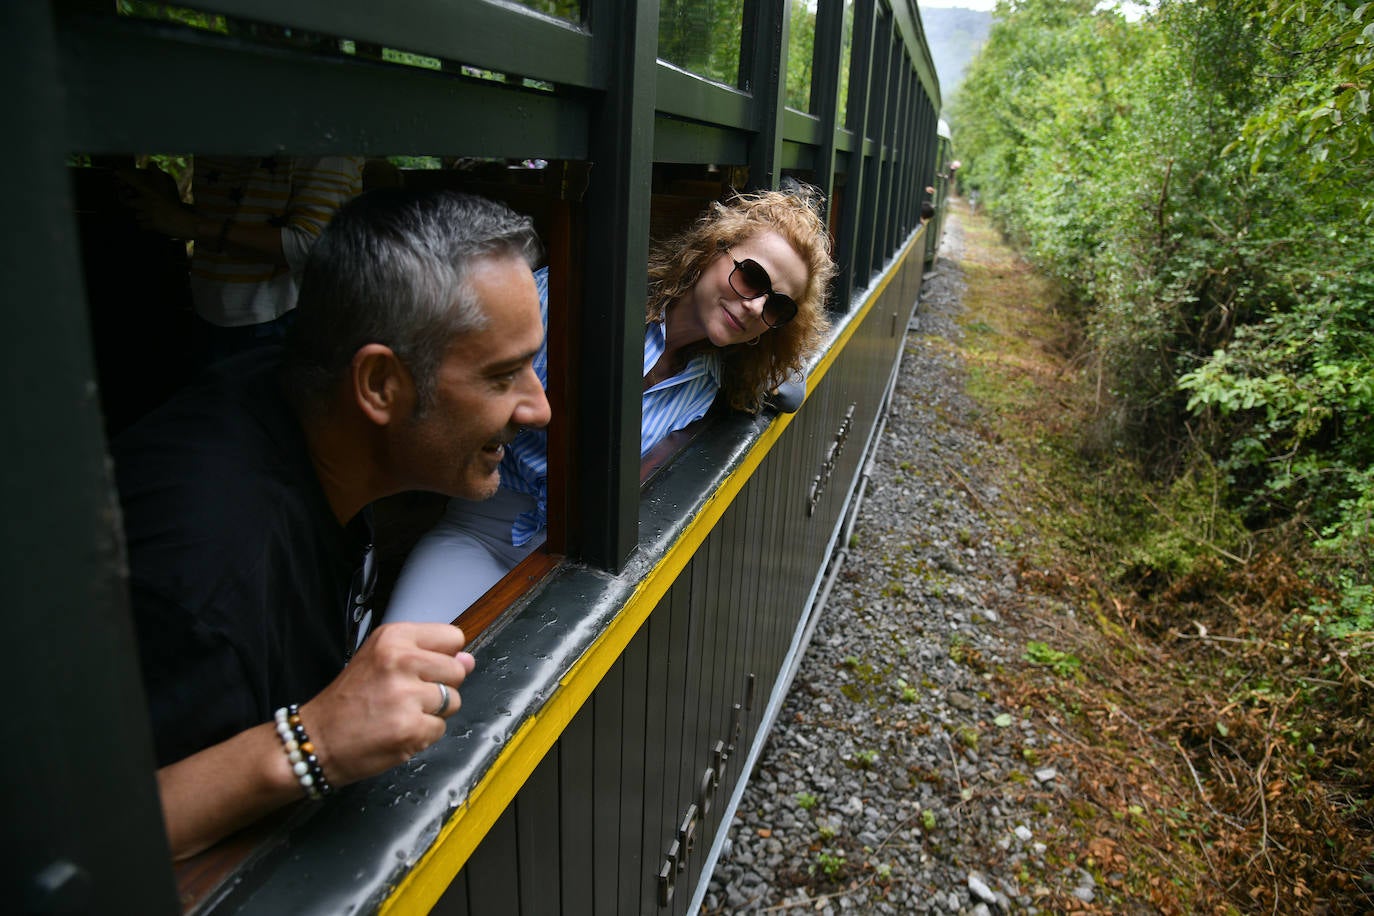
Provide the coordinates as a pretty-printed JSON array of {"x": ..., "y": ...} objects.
[
  {"x": 253, "y": 221},
  {"x": 246, "y": 496},
  {"x": 735, "y": 306}
]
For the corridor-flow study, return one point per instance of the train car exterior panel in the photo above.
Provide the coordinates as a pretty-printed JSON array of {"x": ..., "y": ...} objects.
[{"x": 536, "y": 847}]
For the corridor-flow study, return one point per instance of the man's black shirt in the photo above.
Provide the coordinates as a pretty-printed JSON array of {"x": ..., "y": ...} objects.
[{"x": 239, "y": 572}]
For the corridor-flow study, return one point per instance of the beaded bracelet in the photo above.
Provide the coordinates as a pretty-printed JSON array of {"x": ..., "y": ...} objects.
[{"x": 305, "y": 764}]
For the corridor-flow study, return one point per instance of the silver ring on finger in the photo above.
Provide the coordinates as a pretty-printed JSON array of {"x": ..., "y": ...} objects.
[{"x": 443, "y": 699}]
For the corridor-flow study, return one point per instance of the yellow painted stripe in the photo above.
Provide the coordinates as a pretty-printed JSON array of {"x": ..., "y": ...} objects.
[{"x": 459, "y": 837}]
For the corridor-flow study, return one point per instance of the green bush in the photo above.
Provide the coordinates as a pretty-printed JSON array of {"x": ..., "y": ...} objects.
[{"x": 1200, "y": 181}]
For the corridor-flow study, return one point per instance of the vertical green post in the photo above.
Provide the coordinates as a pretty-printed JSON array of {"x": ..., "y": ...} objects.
[
  {"x": 825, "y": 88},
  {"x": 80, "y": 797},
  {"x": 604, "y": 525},
  {"x": 860, "y": 77},
  {"x": 763, "y": 63}
]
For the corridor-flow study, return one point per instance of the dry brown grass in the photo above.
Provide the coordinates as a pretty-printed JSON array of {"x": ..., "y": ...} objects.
[{"x": 1223, "y": 747}]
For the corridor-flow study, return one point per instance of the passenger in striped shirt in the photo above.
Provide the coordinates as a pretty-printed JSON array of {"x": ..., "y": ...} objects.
[
  {"x": 735, "y": 306},
  {"x": 253, "y": 221}
]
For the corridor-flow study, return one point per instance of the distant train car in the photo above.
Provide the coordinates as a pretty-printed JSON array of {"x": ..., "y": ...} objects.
[
  {"x": 628, "y": 671},
  {"x": 945, "y": 167}
]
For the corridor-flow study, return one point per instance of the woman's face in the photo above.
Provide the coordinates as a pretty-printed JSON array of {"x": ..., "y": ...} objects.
[{"x": 722, "y": 315}]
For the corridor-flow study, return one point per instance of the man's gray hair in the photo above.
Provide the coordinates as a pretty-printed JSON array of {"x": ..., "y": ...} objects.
[{"x": 392, "y": 268}]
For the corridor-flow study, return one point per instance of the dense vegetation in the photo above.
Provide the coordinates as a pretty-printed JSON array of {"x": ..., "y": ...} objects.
[
  {"x": 1202, "y": 181},
  {"x": 1201, "y": 184},
  {"x": 704, "y": 36}
]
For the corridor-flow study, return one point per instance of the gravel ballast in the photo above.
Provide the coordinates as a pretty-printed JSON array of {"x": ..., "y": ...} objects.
[{"x": 893, "y": 781}]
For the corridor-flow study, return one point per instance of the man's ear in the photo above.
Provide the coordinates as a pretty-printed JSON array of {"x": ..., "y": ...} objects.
[{"x": 381, "y": 385}]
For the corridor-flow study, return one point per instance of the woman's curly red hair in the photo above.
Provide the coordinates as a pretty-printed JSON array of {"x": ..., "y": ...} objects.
[{"x": 676, "y": 264}]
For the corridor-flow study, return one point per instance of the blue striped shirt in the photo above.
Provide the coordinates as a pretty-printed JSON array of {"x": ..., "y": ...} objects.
[{"x": 668, "y": 406}]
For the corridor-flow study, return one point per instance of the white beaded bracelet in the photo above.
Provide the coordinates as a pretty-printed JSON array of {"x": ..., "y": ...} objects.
[{"x": 300, "y": 753}]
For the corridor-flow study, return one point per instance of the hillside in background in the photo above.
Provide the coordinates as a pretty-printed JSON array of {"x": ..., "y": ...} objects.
[{"x": 954, "y": 35}]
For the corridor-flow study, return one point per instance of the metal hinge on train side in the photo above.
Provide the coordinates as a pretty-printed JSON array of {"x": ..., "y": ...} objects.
[{"x": 832, "y": 458}]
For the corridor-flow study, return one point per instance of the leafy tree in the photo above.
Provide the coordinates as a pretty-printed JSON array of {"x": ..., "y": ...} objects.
[
  {"x": 846, "y": 56},
  {"x": 702, "y": 36},
  {"x": 1323, "y": 69},
  {"x": 801, "y": 52},
  {"x": 1200, "y": 182}
]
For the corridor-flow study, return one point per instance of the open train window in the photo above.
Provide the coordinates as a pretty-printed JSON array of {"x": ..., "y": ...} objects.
[{"x": 549, "y": 192}]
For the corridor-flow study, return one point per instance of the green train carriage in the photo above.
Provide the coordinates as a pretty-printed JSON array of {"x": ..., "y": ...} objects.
[{"x": 628, "y": 672}]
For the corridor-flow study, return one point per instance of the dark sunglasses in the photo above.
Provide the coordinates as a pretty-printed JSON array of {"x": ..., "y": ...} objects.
[
  {"x": 358, "y": 616},
  {"x": 749, "y": 281}
]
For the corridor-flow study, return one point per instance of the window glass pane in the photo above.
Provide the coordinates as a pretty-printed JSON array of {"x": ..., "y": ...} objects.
[
  {"x": 801, "y": 53},
  {"x": 570, "y": 10},
  {"x": 846, "y": 46},
  {"x": 702, "y": 36}
]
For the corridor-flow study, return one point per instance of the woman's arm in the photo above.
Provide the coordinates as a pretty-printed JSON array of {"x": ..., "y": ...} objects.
[{"x": 168, "y": 216}]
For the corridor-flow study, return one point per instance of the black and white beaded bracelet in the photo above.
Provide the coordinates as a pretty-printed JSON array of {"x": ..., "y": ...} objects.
[{"x": 300, "y": 752}]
